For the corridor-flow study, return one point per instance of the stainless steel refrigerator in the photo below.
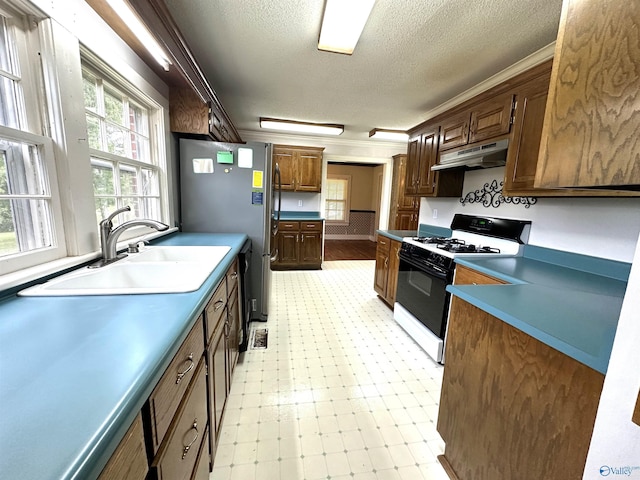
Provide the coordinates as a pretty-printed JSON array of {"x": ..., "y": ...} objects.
[{"x": 229, "y": 188}]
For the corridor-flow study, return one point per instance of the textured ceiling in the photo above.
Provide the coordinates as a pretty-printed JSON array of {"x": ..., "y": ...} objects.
[{"x": 261, "y": 56}]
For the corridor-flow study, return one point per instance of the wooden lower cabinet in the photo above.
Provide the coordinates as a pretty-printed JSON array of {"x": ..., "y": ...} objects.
[
  {"x": 299, "y": 245},
  {"x": 468, "y": 276},
  {"x": 129, "y": 461},
  {"x": 201, "y": 470},
  {"x": 511, "y": 406},
  {"x": 386, "y": 271}
]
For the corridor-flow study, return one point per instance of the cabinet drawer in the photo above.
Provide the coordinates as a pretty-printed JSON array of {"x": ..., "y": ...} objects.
[
  {"x": 311, "y": 226},
  {"x": 232, "y": 278},
  {"x": 468, "y": 276},
  {"x": 177, "y": 456},
  {"x": 201, "y": 471},
  {"x": 383, "y": 244},
  {"x": 214, "y": 310},
  {"x": 166, "y": 397},
  {"x": 130, "y": 458},
  {"x": 289, "y": 226}
]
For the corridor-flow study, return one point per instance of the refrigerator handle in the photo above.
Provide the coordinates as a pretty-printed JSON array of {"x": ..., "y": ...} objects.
[{"x": 277, "y": 188}]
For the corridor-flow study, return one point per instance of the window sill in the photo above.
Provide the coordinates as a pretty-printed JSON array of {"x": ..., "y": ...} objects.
[{"x": 27, "y": 275}]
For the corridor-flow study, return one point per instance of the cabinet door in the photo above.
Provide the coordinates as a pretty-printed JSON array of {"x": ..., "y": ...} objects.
[
  {"x": 413, "y": 166},
  {"x": 392, "y": 276},
  {"x": 592, "y": 121},
  {"x": 491, "y": 118},
  {"x": 382, "y": 266},
  {"x": 402, "y": 200},
  {"x": 309, "y": 171},
  {"x": 217, "y": 383},
  {"x": 522, "y": 156},
  {"x": 310, "y": 248},
  {"x": 428, "y": 158},
  {"x": 454, "y": 131},
  {"x": 405, "y": 220},
  {"x": 288, "y": 247},
  {"x": 284, "y": 158},
  {"x": 233, "y": 336}
]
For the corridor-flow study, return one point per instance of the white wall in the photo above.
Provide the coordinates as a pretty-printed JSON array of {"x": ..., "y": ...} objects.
[
  {"x": 601, "y": 227},
  {"x": 310, "y": 202},
  {"x": 616, "y": 439}
]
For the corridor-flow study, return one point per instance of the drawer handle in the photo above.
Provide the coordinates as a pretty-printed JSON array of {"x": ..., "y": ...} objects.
[
  {"x": 234, "y": 275},
  {"x": 189, "y": 368},
  {"x": 188, "y": 447},
  {"x": 310, "y": 226},
  {"x": 218, "y": 305}
]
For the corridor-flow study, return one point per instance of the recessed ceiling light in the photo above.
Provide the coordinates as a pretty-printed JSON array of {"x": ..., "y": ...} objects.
[
  {"x": 301, "y": 127},
  {"x": 383, "y": 134},
  {"x": 342, "y": 24},
  {"x": 140, "y": 31}
]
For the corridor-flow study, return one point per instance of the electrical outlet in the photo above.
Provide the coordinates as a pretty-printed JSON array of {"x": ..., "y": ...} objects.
[
  {"x": 435, "y": 213},
  {"x": 299, "y": 203}
]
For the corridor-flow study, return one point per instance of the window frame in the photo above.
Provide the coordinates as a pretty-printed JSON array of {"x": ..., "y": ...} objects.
[{"x": 347, "y": 200}]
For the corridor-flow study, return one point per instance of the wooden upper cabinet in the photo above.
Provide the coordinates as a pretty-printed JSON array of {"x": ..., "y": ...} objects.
[
  {"x": 284, "y": 159},
  {"x": 309, "y": 171},
  {"x": 300, "y": 167},
  {"x": 428, "y": 158},
  {"x": 592, "y": 120},
  {"x": 412, "y": 171},
  {"x": 404, "y": 209},
  {"x": 454, "y": 131},
  {"x": 524, "y": 145},
  {"x": 491, "y": 118}
]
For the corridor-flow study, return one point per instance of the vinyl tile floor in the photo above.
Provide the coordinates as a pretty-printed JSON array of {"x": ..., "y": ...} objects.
[{"x": 340, "y": 393}]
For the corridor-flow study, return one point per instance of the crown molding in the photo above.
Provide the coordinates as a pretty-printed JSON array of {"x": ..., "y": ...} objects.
[{"x": 536, "y": 58}]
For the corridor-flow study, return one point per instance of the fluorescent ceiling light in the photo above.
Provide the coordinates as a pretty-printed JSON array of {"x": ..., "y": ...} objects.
[
  {"x": 382, "y": 134},
  {"x": 301, "y": 127},
  {"x": 140, "y": 31},
  {"x": 342, "y": 24}
]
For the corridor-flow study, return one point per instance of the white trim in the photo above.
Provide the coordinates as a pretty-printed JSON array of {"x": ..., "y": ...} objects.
[
  {"x": 517, "y": 68},
  {"x": 342, "y": 236},
  {"x": 307, "y": 140},
  {"x": 429, "y": 342}
]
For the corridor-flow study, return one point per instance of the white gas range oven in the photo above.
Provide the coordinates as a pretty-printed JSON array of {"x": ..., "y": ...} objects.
[{"x": 427, "y": 267}]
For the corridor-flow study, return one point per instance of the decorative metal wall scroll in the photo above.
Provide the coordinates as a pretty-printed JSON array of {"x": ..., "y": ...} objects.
[{"x": 491, "y": 196}]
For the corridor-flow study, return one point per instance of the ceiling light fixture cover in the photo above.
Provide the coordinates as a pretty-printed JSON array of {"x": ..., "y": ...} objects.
[
  {"x": 136, "y": 26},
  {"x": 301, "y": 127},
  {"x": 342, "y": 24},
  {"x": 383, "y": 134}
]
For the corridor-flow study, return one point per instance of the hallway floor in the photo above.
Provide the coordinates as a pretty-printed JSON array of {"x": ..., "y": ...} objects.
[{"x": 341, "y": 392}]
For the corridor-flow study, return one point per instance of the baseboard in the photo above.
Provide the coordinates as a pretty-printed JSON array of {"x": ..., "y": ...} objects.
[
  {"x": 347, "y": 237},
  {"x": 447, "y": 467}
]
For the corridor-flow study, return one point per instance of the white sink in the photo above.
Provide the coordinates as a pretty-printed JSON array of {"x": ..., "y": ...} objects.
[{"x": 153, "y": 270}]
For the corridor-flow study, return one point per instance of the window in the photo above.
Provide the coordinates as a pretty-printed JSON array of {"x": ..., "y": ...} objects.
[
  {"x": 124, "y": 167},
  {"x": 30, "y": 213},
  {"x": 337, "y": 199}
]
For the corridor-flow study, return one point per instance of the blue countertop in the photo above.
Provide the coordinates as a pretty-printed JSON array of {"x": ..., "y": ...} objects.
[
  {"x": 75, "y": 371},
  {"x": 292, "y": 216},
  {"x": 556, "y": 297},
  {"x": 397, "y": 234}
]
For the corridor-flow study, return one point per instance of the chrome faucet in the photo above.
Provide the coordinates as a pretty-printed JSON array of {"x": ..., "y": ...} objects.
[{"x": 109, "y": 235}]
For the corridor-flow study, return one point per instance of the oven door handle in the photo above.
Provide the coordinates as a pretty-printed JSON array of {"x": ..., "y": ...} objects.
[{"x": 429, "y": 268}]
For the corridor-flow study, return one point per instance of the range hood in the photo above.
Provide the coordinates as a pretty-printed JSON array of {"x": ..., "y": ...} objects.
[{"x": 482, "y": 156}]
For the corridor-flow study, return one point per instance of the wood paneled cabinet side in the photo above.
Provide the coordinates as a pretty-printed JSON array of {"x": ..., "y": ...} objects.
[
  {"x": 532, "y": 406},
  {"x": 412, "y": 170},
  {"x": 592, "y": 122},
  {"x": 129, "y": 461},
  {"x": 300, "y": 167}
]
